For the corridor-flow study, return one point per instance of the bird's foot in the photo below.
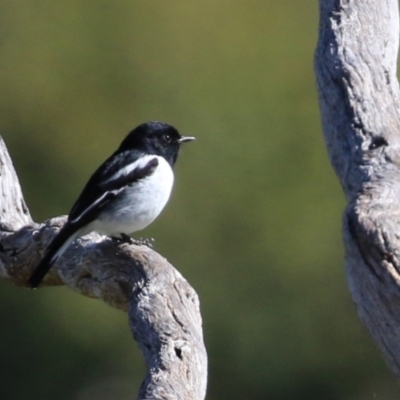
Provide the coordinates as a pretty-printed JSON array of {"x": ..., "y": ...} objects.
[{"x": 124, "y": 238}]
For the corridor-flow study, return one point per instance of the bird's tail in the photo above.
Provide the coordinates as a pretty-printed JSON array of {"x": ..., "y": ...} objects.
[{"x": 56, "y": 248}]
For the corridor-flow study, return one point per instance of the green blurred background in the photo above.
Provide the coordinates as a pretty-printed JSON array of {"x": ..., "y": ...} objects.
[{"x": 254, "y": 222}]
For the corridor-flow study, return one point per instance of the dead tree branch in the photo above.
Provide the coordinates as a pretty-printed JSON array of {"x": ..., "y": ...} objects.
[{"x": 355, "y": 64}]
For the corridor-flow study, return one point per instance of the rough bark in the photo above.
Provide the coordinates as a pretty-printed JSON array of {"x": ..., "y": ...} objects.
[
  {"x": 164, "y": 312},
  {"x": 355, "y": 64}
]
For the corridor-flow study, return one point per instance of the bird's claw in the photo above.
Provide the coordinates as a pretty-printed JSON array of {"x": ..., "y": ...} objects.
[{"x": 124, "y": 238}]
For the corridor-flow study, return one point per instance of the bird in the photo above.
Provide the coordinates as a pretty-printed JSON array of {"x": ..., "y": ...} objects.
[{"x": 125, "y": 194}]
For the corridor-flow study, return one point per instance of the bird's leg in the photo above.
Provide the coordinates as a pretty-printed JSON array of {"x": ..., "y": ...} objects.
[{"x": 125, "y": 238}]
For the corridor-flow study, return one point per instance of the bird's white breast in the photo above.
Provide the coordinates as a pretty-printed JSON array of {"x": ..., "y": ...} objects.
[{"x": 139, "y": 204}]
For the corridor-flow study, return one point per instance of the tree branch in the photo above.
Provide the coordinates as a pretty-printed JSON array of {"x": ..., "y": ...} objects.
[
  {"x": 355, "y": 64},
  {"x": 164, "y": 312}
]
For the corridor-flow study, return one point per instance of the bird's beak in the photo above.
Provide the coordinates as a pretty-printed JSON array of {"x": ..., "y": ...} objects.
[{"x": 184, "y": 139}]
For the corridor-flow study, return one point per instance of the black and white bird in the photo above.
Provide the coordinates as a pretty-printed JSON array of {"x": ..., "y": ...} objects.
[{"x": 126, "y": 193}]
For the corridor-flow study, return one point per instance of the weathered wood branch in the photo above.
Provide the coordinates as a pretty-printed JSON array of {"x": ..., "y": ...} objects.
[
  {"x": 164, "y": 311},
  {"x": 355, "y": 64}
]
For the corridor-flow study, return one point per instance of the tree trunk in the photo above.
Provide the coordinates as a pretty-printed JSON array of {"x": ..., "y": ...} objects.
[
  {"x": 163, "y": 308},
  {"x": 355, "y": 64}
]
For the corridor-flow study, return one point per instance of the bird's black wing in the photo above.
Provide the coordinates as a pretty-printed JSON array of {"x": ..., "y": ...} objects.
[{"x": 111, "y": 178}]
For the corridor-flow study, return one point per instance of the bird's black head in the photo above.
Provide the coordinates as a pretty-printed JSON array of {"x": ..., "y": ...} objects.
[{"x": 156, "y": 138}]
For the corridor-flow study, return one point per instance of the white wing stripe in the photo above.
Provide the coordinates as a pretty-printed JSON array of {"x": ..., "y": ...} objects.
[{"x": 140, "y": 163}]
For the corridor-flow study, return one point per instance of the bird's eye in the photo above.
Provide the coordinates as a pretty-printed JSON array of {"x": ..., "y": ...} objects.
[{"x": 167, "y": 138}]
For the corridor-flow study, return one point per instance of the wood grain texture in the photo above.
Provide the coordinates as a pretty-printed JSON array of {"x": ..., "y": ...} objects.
[
  {"x": 164, "y": 311},
  {"x": 355, "y": 65}
]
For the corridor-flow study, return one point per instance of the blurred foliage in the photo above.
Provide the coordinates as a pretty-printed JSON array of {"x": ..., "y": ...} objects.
[{"x": 254, "y": 223}]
